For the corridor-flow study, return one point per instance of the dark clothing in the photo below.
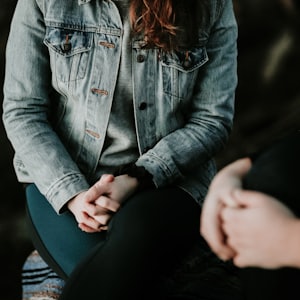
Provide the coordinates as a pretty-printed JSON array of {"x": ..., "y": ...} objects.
[
  {"x": 150, "y": 233},
  {"x": 275, "y": 171}
]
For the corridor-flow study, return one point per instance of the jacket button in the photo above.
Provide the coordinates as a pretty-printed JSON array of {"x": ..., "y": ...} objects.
[
  {"x": 142, "y": 105},
  {"x": 187, "y": 64},
  {"x": 140, "y": 58},
  {"x": 66, "y": 47}
]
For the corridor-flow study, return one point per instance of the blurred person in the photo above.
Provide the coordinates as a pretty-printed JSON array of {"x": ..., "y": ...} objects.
[
  {"x": 108, "y": 105},
  {"x": 252, "y": 216}
]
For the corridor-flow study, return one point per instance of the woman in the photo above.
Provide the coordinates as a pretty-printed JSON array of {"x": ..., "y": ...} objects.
[{"x": 115, "y": 110}]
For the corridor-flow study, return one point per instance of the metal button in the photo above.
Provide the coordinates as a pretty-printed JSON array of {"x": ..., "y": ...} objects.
[
  {"x": 66, "y": 47},
  {"x": 187, "y": 63},
  {"x": 142, "y": 105},
  {"x": 140, "y": 58}
]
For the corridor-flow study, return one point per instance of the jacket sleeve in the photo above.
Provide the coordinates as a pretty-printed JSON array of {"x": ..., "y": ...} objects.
[{"x": 26, "y": 109}]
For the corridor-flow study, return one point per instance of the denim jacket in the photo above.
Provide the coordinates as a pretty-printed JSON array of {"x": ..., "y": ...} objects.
[{"x": 62, "y": 63}]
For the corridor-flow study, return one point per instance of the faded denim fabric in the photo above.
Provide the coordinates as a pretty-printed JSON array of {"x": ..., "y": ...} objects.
[{"x": 61, "y": 71}]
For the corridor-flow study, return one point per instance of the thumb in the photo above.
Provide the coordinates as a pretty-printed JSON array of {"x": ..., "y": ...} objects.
[
  {"x": 229, "y": 199},
  {"x": 99, "y": 188},
  {"x": 245, "y": 198}
]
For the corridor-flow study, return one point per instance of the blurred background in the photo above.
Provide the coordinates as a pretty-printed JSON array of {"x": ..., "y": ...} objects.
[{"x": 267, "y": 107}]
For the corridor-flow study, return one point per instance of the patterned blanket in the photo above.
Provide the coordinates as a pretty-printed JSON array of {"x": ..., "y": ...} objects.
[
  {"x": 39, "y": 282},
  {"x": 200, "y": 277}
]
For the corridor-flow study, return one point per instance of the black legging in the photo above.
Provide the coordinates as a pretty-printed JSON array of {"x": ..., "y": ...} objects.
[
  {"x": 276, "y": 172},
  {"x": 145, "y": 239}
]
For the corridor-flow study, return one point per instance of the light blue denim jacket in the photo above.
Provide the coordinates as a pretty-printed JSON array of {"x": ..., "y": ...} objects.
[{"x": 61, "y": 71}]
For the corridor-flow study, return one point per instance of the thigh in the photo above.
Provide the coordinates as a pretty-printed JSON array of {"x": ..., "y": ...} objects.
[
  {"x": 57, "y": 237},
  {"x": 145, "y": 239},
  {"x": 163, "y": 221}
]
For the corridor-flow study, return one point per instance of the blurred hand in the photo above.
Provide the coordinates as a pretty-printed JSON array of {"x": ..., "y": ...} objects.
[
  {"x": 258, "y": 229},
  {"x": 221, "y": 188}
]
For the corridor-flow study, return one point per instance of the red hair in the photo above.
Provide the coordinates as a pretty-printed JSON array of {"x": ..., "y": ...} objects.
[{"x": 163, "y": 21}]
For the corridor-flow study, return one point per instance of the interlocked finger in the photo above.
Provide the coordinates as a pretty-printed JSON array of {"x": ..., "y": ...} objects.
[{"x": 107, "y": 203}]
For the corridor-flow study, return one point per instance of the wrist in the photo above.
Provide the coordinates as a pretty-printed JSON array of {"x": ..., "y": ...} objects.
[
  {"x": 139, "y": 173},
  {"x": 131, "y": 181}
]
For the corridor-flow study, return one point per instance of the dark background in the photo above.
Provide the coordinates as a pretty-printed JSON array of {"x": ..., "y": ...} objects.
[{"x": 267, "y": 107}]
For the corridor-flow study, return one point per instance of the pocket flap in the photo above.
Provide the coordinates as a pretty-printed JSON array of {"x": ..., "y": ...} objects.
[{"x": 67, "y": 42}]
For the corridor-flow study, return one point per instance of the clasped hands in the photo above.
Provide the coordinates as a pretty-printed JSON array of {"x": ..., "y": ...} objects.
[
  {"x": 94, "y": 208},
  {"x": 248, "y": 227}
]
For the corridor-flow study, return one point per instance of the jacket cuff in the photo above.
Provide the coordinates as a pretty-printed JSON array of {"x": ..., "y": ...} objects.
[{"x": 140, "y": 173}]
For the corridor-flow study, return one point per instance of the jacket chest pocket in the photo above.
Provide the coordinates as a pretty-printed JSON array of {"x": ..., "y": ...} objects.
[
  {"x": 69, "y": 52},
  {"x": 180, "y": 70}
]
